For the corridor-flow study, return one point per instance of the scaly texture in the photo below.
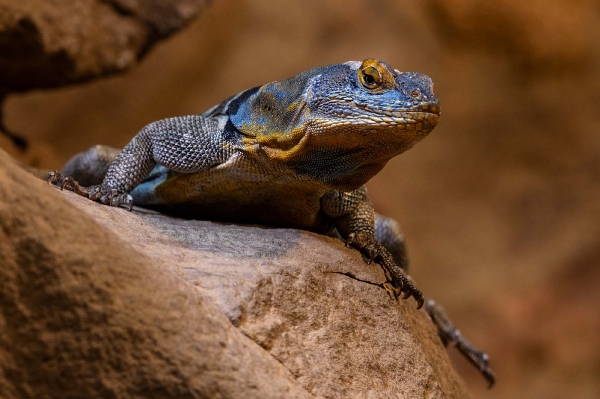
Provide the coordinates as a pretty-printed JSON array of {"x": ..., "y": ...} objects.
[{"x": 294, "y": 153}]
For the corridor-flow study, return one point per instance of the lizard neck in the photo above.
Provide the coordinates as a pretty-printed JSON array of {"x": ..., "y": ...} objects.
[{"x": 275, "y": 115}]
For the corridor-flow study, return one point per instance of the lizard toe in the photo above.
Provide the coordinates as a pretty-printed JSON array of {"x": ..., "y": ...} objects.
[
  {"x": 68, "y": 183},
  {"x": 419, "y": 298},
  {"x": 117, "y": 199},
  {"x": 54, "y": 177},
  {"x": 95, "y": 193},
  {"x": 411, "y": 290},
  {"x": 391, "y": 290}
]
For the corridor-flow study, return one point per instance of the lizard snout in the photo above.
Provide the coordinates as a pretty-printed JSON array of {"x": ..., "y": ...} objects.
[{"x": 432, "y": 107}]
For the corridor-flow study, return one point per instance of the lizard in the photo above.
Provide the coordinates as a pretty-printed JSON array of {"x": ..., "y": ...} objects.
[{"x": 294, "y": 153}]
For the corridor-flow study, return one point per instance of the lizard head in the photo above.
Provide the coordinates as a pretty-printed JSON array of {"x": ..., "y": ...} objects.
[{"x": 340, "y": 124}]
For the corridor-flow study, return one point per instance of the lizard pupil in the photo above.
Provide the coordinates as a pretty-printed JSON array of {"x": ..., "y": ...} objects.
[{"x": 370, "y": 77}]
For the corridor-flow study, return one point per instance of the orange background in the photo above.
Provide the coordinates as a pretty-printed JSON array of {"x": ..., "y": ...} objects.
[{"x": 500, "y": 205}]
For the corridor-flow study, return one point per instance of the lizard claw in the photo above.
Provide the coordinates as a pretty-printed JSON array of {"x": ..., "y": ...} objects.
[
  {"x": 116, "y": 199},
  {"x": 56, "y": 178},
  {"x": 350, "y": 240},
  {"x": 410, "y": 290},
  {"x": 67, "y": 182},
  {"x": 391, "y": 290},
  {"x": 95, "y": 193},
  {"x": 123, "y": 199},
  {"x": 129, "y": 201},
  {"x": 398, "y": 282},
  {"x": 420, "y": 300},
  {"x": 53, "y": 177},
  {"x": 111, "y": 197}
]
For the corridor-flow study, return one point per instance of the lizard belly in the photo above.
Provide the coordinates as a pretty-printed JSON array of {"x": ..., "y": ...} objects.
[{"x": 241, "y": 190}]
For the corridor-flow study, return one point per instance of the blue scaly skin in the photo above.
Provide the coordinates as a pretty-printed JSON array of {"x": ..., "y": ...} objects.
[{"x": 294, "y": 153}]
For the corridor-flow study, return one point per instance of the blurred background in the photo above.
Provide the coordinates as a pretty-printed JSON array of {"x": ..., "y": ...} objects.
[{"x": 500, "y": 205}]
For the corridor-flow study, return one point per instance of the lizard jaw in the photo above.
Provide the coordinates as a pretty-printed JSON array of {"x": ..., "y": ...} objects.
[{"x": 403, "y": 120}]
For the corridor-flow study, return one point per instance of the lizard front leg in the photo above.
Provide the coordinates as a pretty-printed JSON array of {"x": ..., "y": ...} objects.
[
  {"x": 183, "y": 144},
  {"x": 355, "y": 221},
  {"x": 127, "y": 170}
]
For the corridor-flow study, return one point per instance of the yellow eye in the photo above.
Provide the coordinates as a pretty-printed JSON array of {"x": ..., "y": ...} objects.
[
  {"x": 371, "y": 77},
  {"x": 415, "y": 93},
  {"x": 374, "y": 75}
]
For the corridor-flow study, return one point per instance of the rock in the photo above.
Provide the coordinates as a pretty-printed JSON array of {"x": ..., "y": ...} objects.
[
  {"x": 53, "y": 43},
  {"x": 104, "y": 306},
  {"x": 83, "y": 314}
]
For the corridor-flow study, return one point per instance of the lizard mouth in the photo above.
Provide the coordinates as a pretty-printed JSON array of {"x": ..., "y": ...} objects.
[
  {"x": 424, "y": 115},
  {"x": 397, "y": 110},
  {"x": 409, "y": 120}
]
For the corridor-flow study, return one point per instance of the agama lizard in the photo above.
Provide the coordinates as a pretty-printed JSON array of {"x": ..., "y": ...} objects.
[{"x": 294, "y": 153}]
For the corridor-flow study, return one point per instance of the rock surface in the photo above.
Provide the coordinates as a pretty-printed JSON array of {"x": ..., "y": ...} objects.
[
  {"x": 52, "y": 43},
  {"x": 83, "y": 315},
  {"x": 99, "y": 308}
]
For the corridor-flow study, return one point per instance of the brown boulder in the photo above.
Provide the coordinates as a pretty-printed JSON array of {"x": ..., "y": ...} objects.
[
  {"x": 53, "y": 43},
  {"x": 84, "y": 315},
  {"x": 104, "y": 308}
]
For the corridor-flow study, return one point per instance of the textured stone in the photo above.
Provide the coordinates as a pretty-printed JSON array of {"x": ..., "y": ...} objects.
[
  {"x": 307, "y": 299},
  {"x": 53, "y": 43},
  {"x": 83, "y": 315},
  {"x": 103, "y": 309}
]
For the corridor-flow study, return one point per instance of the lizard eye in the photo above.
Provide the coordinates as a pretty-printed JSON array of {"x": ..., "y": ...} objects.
[
  {"x": 371, "y": 77},
  {"x": 374, "y": 75},
  {"x": 415, "y": 93}
]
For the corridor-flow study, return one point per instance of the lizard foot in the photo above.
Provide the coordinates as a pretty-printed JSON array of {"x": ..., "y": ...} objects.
[
  {"x": 100, "y": 194},
  {"x": 56, "y": 178},
  {"x": 398, "y": 281},
  {"x": 450, "y": 335}
]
